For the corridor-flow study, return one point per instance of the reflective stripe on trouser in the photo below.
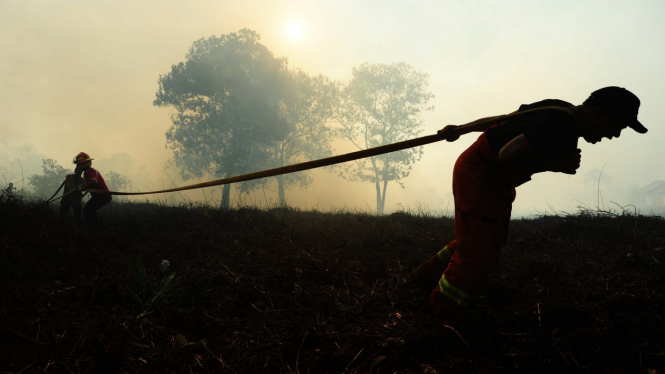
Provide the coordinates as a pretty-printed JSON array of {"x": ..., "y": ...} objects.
[
  {"x": 483, "y": 199},
  {"x": 427, "y": 275},
  {"x": 458, "y": 296},
  {"x": 479, "y": 242}
]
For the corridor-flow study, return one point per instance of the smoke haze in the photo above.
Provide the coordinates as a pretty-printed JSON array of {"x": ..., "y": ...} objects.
[{"x": 82, "y": 76}]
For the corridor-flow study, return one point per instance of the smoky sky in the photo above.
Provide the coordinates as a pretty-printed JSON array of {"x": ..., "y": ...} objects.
[{"x": 82, "y": 76}]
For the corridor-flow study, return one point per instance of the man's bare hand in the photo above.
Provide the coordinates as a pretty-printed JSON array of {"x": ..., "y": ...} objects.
[
  {"x": 450, "y": 133},
  {"x": 570, "y": 163}
]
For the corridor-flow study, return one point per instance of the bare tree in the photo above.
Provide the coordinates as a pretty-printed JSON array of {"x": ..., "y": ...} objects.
[{"x": 382, "y": 105}]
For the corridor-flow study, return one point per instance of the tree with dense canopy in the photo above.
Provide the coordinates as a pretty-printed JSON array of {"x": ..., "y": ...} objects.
[
  {"x": 45, "y": 184},
  {"x": 117, "y": 182},
  {"x": 382, "y": 105},
  {"x": 239, "y": 109},
  {"x": 227, "y": 100}
]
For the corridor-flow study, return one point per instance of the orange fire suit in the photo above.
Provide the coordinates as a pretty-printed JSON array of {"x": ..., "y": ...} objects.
[{"x": 484, "y": 192}]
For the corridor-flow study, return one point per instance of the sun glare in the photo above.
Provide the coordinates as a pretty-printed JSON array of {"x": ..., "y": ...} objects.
[{"x": 294, "y": 31}]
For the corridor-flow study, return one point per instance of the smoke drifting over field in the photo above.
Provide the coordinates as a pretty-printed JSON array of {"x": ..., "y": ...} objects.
[{"x": 82, "y": 76}]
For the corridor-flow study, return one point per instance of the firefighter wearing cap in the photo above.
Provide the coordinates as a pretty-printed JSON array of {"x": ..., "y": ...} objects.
[
  {"x": 91, "y": 179},
  {"x": 505, "y": 156}
]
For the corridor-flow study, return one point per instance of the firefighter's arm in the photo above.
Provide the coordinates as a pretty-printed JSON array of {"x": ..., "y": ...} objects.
[
  {"x": 453, "y": 132},
  {"x": 91, "y": 183},
  {"x": 518, "y": 153}
]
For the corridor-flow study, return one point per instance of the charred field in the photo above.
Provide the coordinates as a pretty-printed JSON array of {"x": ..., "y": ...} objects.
[{"x": 289, "y": 291}]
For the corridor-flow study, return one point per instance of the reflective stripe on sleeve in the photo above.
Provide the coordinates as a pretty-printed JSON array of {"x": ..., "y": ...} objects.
[{"x": 460, "y": 297}]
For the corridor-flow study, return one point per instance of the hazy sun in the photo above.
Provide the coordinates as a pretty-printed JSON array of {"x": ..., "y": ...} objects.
[{"x": 294, "y": 31}]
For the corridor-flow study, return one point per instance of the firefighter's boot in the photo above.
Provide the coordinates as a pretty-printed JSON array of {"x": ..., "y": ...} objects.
[
  {"x": 427, "y": 275},
  {"x": 444, "y": 306}
]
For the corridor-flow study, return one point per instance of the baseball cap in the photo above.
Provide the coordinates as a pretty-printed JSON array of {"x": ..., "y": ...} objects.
[{"x": 620, "y": 102}]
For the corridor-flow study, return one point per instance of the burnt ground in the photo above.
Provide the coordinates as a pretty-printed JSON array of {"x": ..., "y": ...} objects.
[{"x": 311, "y": 292}]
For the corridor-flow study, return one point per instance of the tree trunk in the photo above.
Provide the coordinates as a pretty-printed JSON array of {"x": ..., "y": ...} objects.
[
  {"x": 280, "y": 190},
  {"x": 383, "y": 197},
  {"x": 385, "y": 184},
  {"x": 379, "y": 206},
  {"x": 379, "y": 203},
  {"x": 226, "y": 192}
]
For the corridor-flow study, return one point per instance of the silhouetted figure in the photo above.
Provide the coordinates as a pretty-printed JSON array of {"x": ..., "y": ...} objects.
[
  {"x": 94, "y": 180},
  {"x": 505, "y": 156},
  {"x": 72, "y": 195},
  {"x": 8, "y": 192}
]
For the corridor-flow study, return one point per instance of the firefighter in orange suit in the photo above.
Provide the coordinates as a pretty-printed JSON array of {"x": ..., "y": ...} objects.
[
  {"x": 505, "y": 156},
  {"x": 93, "y": 179}
]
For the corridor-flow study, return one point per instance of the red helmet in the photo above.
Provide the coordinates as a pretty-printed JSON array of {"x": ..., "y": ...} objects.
[{"x": 81, "y": 158}]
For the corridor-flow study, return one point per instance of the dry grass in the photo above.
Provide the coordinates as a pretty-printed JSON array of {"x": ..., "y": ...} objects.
[{"x": 311, "y": 292}]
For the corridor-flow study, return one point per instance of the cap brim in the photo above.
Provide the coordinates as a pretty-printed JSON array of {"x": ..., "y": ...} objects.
[{"x": 637, "y": 126}]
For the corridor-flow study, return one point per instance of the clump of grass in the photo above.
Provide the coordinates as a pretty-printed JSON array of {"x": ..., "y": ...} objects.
[{"x": 146, "y": 295}]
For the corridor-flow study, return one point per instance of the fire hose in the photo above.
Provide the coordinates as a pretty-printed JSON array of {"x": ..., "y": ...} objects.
[
  {"x": 51, "y": 199},
  {"x": 56, "y": 192},
  {"x": 458, "y": 131}
]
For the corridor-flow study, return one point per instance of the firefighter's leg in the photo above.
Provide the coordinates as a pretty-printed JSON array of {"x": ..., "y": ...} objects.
[
  {"x": 427, "y": 275},
  {"x": 479, "y": 244},
  {"x": 64, "y": 209},
  {"x": 76, "y": 207},
  {"x": 90, "y": 211},
  {"x": 94, "y": 204}
]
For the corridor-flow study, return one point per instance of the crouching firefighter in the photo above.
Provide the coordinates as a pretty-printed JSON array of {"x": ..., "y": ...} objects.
[
  {"x": 91, "y": 179},
  {"x": 8, "y": 192},
  {"x": 72, "y": 195},
  {"x": 506, "y": 155}
]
